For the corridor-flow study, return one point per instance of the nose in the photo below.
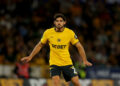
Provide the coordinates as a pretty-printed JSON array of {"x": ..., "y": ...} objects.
[{"x": 58, "y": 23}]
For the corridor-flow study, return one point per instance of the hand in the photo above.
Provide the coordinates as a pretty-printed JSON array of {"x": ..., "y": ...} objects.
[
  {"x": 87, "y": 63},
  {"x": 26, "y": 59}
]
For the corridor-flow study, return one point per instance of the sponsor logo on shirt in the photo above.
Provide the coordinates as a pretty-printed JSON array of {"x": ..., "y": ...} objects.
[{"x": 58, "y": 46}]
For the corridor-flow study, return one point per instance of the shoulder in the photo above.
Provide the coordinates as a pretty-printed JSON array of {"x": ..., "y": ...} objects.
[
  {"x": 70, "y": 31},
  {"x": 49, "y": 30}
]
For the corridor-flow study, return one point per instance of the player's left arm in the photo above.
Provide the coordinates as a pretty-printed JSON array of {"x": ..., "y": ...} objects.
[{"x": 82, "y": 54}]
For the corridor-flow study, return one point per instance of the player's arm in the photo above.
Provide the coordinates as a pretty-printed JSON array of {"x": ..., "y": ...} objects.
[
  {"x": 36, "y": 49},
  {"x": 82, "y": 54}
]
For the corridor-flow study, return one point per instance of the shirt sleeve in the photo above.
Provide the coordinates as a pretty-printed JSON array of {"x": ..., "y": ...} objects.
[
  {"x": 74, "y": 38},
  {"x": 44, "y": 38}
]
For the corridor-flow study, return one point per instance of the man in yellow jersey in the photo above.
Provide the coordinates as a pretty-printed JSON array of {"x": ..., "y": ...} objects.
[{"x": 59, "y": 39}]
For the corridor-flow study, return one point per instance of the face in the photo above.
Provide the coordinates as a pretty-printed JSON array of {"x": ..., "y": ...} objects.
[{"x": 59, "y": 23}]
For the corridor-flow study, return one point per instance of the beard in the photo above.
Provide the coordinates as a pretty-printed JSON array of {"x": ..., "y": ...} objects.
[{"x": 59, "y": 26}]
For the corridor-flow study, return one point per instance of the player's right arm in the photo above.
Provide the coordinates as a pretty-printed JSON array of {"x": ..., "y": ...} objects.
[
  {"x": 36, "y": 49},
  {"x": 33, "y": 53}
]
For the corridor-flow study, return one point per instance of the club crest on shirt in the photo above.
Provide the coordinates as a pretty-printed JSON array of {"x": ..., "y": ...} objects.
[
  {"x": 51, "y": 36},
  {"x": 58, "y": 40}
]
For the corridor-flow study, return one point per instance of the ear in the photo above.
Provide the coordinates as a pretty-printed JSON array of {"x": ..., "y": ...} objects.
[
  {"x": 54, "y": 22},
  {"x": 65, "y": 22}
]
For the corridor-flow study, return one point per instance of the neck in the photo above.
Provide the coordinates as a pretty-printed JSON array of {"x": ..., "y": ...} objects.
[{"x": 59, "y": 29}]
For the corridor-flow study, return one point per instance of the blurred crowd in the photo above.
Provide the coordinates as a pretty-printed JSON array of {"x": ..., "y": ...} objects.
[{"x": 96, "y": 23}]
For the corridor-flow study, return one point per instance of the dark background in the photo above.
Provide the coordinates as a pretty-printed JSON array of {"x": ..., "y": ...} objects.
[{"x": 95, "y": 22}]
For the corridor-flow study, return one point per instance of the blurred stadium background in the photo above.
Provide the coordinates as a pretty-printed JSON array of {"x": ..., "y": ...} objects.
[{"x": 96, "y": 23}]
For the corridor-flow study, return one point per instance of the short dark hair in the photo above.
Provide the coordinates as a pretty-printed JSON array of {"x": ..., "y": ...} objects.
[{"x": 59, "y": 15}]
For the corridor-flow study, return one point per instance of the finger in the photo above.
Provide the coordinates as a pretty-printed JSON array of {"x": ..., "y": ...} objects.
[
  {"x": 22, "y": 59},
  {"x": 25, "y": 61},
  {"x": 90, "y": 64}
]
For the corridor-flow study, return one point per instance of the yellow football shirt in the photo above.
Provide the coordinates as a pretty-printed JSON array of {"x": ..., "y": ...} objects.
[{"x": 59, "y": 45}]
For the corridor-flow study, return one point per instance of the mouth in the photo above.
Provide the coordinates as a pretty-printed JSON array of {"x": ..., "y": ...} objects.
[{"x": 59, "y": 25}]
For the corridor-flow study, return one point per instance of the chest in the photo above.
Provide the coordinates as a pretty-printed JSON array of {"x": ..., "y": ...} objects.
[{"x": 59, "y": 38}]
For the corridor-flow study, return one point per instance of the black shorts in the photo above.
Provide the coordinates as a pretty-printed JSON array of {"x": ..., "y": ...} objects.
[{"x": 67, "y": 71}]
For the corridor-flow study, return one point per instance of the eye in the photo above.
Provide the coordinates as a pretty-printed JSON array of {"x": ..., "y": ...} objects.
[{"x": 61, "y": 20}]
